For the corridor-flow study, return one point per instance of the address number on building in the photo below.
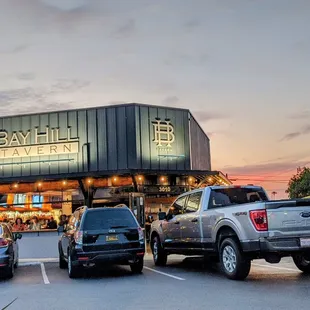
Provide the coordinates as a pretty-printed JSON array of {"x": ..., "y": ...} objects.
[{"x": 164, "y": 189}]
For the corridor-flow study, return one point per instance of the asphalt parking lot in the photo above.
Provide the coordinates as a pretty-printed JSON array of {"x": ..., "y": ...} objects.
[{"x": 183, "y": 284}]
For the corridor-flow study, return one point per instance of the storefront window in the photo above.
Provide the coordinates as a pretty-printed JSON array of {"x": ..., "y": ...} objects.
[
  {"x": 37, "y": 201},
  {"x": 20, "y": 200}
]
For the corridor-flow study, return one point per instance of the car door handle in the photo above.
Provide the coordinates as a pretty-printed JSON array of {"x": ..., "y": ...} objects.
[{"x": 194, "y": 220}]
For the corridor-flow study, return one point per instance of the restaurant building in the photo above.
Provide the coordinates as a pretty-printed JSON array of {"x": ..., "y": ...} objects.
[{"x": 51, "y": 163}]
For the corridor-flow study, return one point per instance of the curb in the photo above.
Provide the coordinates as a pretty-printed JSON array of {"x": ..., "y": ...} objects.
[{"x": 38, "y": 261}]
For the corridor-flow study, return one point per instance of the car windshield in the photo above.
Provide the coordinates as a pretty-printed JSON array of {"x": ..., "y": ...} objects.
[
  {"x": 230, "y": 196},
  {"x": 108, "y": 218}
]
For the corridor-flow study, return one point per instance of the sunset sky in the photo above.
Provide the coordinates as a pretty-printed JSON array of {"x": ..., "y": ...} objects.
[{"x": 241, "y": 66}]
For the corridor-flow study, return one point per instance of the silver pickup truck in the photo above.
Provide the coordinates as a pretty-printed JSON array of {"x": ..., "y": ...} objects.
[{"x": 234, "y": 225}]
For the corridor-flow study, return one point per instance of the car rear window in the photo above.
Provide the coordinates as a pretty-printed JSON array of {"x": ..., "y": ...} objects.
[
  {"x": 232, "y": 196},
  {"x": 108, "y": 218}
]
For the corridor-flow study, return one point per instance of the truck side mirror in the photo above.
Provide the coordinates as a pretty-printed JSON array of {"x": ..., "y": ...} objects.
[{"x": 161, "y": 216}]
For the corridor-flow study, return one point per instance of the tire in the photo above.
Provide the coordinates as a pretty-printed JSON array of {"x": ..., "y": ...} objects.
[
  {"x": 234, "y": 265},
  {"x": 73, "y": 271},
  {"x": 159, "y": 254},
  {"x": 137, "y": 267},
  {"x": 9, "y": 273},
  {"x": 302, "y": 263},
  {"x": 62, "y": 263}
]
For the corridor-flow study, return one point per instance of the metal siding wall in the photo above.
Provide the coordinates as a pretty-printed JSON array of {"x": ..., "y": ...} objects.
[
  {"x": 92, "y": 139},
  {"x": 16, "y": 167},
  {"x": 133, "y": 140},
  {"x": 112, "y": 139},
  {"x": 149, "y": 151},
  {"x": 82, "y": 131},
  {"x": 119, "y": 138},
  {"x": 102, "y": 140},
  {"x": 121, "y": 128},
  {"x": 145, "y": 134},
  {"x": 63, "y": 166},
  {"x": 43, "y": 167},
  {"x": 34, "y": 168},
  {"x": 7, "y": 169},
  {"x": 153, "y": 150},
  {"x": 73, "y": 124},
  {"x": 25, "y": 126},
  {"x": 54, "y": 123},
  {"x": 200, "y": 146}
]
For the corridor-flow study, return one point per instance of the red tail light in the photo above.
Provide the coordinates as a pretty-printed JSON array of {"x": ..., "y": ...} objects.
[
  {"x": 3, "y": 243},
  {"x": 259, "y": 219},
  {"x": 141, "y": 234},
  {"x": 78, "y": 237}
]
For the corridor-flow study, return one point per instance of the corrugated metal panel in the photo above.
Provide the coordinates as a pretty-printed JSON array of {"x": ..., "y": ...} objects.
[
  {"x": 154, "y": 157},
  {"x": 110, "y": 139},
  {"x": 102, "y": 140},
  {"x": 200, "y": 147}
]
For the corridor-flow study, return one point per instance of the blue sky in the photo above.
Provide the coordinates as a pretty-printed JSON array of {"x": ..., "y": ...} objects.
[{"x": 242, "y": 67}]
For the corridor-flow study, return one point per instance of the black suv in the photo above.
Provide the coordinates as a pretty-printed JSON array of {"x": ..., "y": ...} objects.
[{"x": 101, "y": 236}]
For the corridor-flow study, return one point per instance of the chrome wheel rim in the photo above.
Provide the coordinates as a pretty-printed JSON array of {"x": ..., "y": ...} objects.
[
  {"x": 155, "y": 250},
  {"x": 229, "y": 258},
  {"x": 304, "y": 261}
]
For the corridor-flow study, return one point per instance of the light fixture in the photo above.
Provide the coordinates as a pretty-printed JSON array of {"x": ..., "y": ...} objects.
[
  {"x": 15, "y": 185},
  {"x": 190, "y": 179},
  {"x": 115, "y": 179},
  {"x": 39, "y": 184},
  {"x": 210, "y": 179},
  {"x": 140, "y": 178},
  {"x": 162, "y": 179},
  {"x": 64, "y": 182},
  {"x": 89, "y": 180}
]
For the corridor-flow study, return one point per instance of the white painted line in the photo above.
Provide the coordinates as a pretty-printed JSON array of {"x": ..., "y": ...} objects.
[
  {"x": 164, "y": 274},
  {"x": 44, "y": 275},
  {"x": 274, "y": 267}
]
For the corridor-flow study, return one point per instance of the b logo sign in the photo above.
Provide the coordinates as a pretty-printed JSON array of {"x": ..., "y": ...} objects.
[{"x": 163, "y": 132}]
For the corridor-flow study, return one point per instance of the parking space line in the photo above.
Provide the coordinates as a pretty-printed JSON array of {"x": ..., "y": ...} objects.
[
  {"x": 44, "y": 275},
  {"x": 164, "y": 274},
  {"x": 274, "y": 267}
]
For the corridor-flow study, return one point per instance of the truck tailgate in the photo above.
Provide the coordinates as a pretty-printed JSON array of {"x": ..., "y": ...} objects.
[{"x": 288, "y": 218}]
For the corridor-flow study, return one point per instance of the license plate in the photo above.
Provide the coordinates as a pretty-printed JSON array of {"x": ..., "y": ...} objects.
[
  {"x": 305, "y": 242},
  {"x": 112, "y": 238}
]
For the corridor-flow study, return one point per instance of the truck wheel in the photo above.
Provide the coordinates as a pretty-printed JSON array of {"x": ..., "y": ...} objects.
[
  {"x": 159, "y": 254},
  {"x": 302, "y": 262},
  {"x": 62, "y": 263},
  {"x": 73, "y": 271},
  {"x": 233, "y": 263}
]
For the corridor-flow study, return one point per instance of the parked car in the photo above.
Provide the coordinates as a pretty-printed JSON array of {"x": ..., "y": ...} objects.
[
  {"x": 8, "y": 250},
  {"x": 234, "y": 225},
  {"x": 101, "y": 236}
]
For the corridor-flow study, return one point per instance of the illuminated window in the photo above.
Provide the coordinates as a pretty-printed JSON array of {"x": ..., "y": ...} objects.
[
  {"x": 37, "y": 201},
  {"x": 20, "y": 200}
]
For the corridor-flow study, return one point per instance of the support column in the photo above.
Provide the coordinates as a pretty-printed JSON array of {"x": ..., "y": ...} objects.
[{"x": 67, "y": 205}]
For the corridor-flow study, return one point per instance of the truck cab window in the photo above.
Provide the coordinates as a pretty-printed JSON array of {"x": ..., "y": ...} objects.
[
  {"x": 193, "y": 202},
  {"x": 177, "y": 208}
]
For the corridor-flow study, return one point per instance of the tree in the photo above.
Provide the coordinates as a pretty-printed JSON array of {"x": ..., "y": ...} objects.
[{"x": 299, "y": 184}]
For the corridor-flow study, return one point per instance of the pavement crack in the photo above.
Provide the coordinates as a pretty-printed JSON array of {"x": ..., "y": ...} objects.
[{"x": 7, "y": 306}]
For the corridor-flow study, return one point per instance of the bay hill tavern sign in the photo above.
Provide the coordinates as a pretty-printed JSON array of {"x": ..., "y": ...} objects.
[{"x": 20, "y": 144}]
